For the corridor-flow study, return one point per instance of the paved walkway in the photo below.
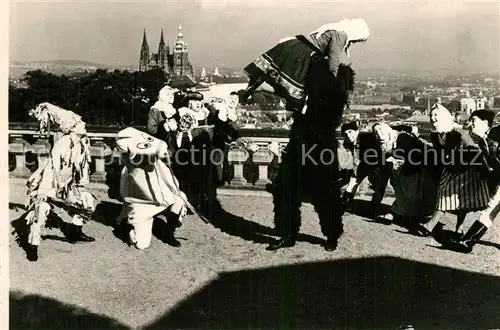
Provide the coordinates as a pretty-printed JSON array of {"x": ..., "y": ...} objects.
[{"x": 380, "y": 277}]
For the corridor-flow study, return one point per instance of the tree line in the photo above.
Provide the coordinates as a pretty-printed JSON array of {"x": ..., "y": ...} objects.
[{"x": 102, "y": 97}]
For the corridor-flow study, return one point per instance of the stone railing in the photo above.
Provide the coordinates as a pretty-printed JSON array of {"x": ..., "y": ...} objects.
[{"x": 250, "y": 167}]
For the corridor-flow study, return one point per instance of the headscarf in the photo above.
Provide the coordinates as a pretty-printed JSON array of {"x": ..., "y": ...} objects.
[
  {"x": 356, "y": 30},
  {"x": 386, "y": 135},
  {"x": 446, "y": 122},
  {"x": 165, "y": 92},
  {"x": 225, "y": 112},
  {"x": 162, "y": 104}
]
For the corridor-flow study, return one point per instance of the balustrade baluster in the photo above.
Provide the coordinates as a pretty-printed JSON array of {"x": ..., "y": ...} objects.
[
  {"x": 19, "y": 148},
  {"x": 237, "y": 157},
  {"x": 99, "y": 151},
  {"x": 41, "y": 148},
  {"x": 262, "y": 157}
]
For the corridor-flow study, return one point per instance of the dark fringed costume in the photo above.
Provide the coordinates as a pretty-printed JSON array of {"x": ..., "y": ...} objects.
[
  {"x": 307, "y": 72},
  {"x": 315, "y": 131}
]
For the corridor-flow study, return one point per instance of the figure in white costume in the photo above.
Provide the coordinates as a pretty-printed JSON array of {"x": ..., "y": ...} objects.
[
  {"x": 148, "y": 187},
  {"x": 59, "y": 181}
]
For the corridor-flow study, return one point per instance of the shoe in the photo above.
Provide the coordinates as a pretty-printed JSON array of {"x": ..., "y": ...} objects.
[
  {"x": 122, "y": 231},
  {"x": 331, "y": 244},
  {"x": 32, "y": 252},
  {"x": 281, "y": 244},
  {"x": 76, "y": 235},
  {"x": 421, "y": 231},
  {"x": 171, "y": 240},
  {"x": 468, "y": 240},
  {"x": 439, "y": 234}
]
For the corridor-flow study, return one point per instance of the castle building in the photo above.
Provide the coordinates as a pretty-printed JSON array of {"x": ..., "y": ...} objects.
[{"x": 174, "y": 62}]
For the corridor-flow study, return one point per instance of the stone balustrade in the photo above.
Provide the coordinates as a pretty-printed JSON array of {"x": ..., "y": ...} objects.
[{"x": 250, "y": 167}]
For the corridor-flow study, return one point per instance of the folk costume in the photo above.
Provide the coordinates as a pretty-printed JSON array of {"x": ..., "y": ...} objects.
[
  {"x": 367, "y": 163},
  {"x": 59, "y": 181},
  {"x": 192, "y": 155},
  {"x": 223, "y": 117},
  {"x": 490, "y": 146},
  {"x": 161, "y": 118},
  {"x": 148, "y": 188},
  {"x": 286, "y": 66},
  {"x": 414, "y": 183},
  {"x": 462, "y": 187},
  {"x": 309, "y": 169}
]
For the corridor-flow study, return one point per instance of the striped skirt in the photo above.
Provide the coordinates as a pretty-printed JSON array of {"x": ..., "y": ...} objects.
[{"x": 463, "y": 191}]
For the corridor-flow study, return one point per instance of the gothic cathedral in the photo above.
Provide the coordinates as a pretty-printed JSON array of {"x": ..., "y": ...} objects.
[{"x": 175, "y": 62}]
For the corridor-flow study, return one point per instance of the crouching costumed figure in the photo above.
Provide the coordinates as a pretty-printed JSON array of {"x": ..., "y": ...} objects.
[
  {"x": 148, "y": 188},
  {"x": 59, "y": 181}
]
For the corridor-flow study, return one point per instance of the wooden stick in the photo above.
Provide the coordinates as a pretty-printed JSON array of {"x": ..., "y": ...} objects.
[{"x": 131, "y": 200}]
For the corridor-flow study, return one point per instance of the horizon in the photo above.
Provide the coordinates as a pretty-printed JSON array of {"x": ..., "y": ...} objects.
[
  {"x": 196, "y": 67},
  {"x": 458, "y": 37}
]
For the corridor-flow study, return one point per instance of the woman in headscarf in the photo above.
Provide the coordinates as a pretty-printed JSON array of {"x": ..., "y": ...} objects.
[
  {"x": 413, "y": 182},
  {"x": 284, "y": 68},
  {"x": 161, "y": 116},
  {"x": 462, "y": 188},
  {"x": 224, "y": 118}
]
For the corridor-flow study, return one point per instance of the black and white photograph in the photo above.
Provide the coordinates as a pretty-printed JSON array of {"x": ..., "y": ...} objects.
[{"x": 232, "y": 164}]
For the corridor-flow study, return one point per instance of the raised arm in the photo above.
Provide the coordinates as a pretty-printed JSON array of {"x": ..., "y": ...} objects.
[{"x": 335, "y": 49}]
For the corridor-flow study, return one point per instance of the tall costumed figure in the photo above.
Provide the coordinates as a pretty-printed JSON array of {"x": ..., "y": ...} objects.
[
  {"x": 307, "y": 71},
  {"x": 59, "y": 182}
]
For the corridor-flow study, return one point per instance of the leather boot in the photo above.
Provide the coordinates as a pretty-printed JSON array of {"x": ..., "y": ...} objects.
[
  {"x": 331, "y": 244},
  {"x": 171, "y": 240},
  {"x": 172, "y": 222},
  {"x": 32, "y": 252},
  {"x": 76, "y": 235},
  {"x": 284, "y": 242},
  {"x": 470, "y": 238},
  {"x": 122, "y": 231}
]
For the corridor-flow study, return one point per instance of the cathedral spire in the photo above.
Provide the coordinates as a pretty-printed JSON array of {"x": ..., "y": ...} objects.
[
  {"x": 144, "y": 59},
  {"x": 162, "y": 58},
  {"x": 144, "y": 41},
  {"x": 162, "y": 41},
  {"x": 179, "y": 34}
]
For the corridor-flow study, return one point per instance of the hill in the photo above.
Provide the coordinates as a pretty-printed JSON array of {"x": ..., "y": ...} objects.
[{"x": 60, "y": 62}]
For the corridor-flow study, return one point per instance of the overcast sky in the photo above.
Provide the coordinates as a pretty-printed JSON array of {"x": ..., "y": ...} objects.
[{"x": 404, "y": 35}]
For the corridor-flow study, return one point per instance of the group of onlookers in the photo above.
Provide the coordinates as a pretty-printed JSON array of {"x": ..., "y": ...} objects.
[{"x": 455, "y": 170}]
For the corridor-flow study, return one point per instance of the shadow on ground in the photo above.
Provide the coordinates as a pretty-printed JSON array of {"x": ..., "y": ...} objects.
[
  {"x": 20, "y": 229},
  {"x": 364, "y": 208},
  {"x": 383, "y": 293},
  {"x": 36, "y": 312},
  {"x": 250, "y": 230},
  {"x": 107, "y": 212}
]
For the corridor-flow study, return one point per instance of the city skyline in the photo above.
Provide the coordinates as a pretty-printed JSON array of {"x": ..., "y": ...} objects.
[{"x": 458, "y": 36}]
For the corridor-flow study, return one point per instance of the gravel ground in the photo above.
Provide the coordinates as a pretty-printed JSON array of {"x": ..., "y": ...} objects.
[{"x": 379, "y": 277}]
